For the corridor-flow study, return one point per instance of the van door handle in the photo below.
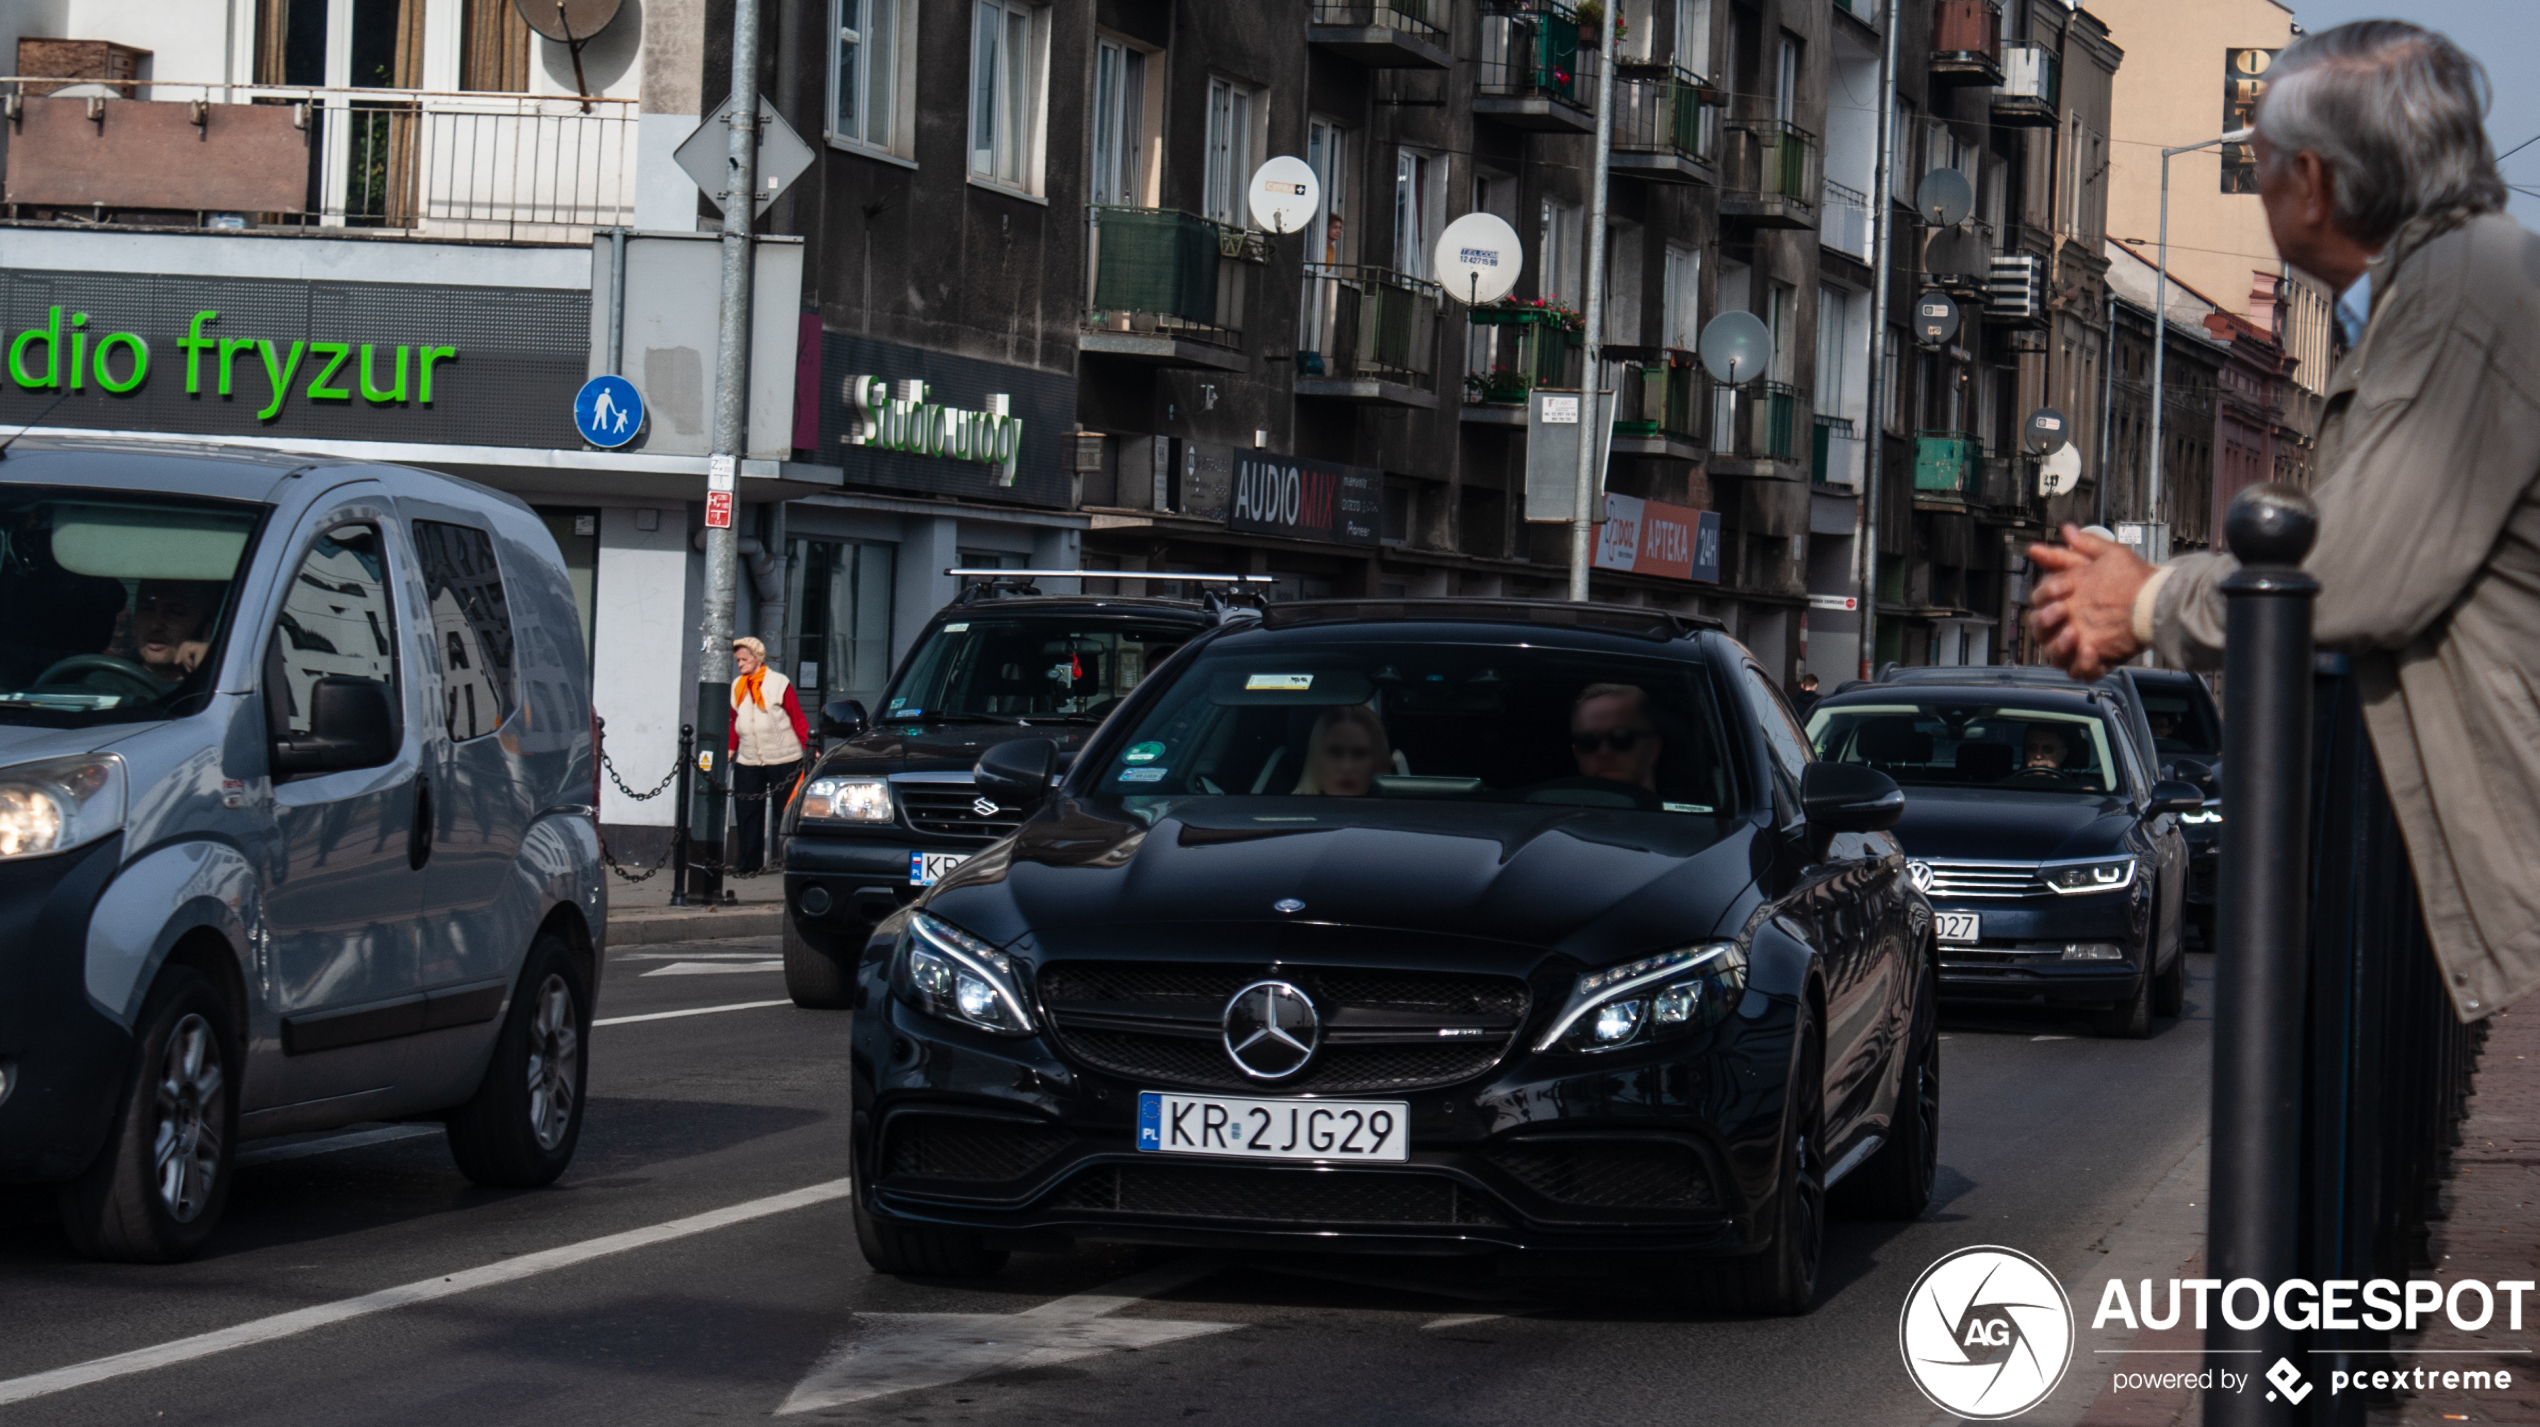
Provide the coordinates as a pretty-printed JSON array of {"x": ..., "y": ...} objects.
[{"x": 419, "y": 837}]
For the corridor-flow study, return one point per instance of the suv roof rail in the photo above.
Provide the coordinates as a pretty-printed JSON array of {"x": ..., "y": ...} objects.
[
  {"x": 1613, "y": 619},
  {"x": 998, "y": 583}
]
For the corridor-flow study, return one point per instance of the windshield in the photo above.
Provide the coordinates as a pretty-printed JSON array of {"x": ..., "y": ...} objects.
[
  {"x": 1996, "y": 745},
  {"x": 1472, "y": 722},
  {"x": 2181, "y": 723},
  {"x": 1009, "y": 667},
  {"x": 112, "y": 606}
]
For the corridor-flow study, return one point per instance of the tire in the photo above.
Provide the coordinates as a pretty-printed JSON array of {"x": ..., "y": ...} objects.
[
  {"x": 1781, "y": 1281},
  {"x": 2129, "y": 1019},
  {"x": 520, "y": 1129},
  {"x": 2169, "y": 989},
  {"x": 157, "y": 1188},
  {"x": 1896, "y": 1184},
  {"x": 815, "y": 979},
  {"x": 913, "y": 1251}
]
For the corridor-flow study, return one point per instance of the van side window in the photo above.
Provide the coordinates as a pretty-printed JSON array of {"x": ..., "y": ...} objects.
[
  {"x": 471, "y": 627},
  {"x": 336, "y": 618}
]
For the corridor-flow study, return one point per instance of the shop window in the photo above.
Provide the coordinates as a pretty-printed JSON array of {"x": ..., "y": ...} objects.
[{"x": 838, "y": 619}]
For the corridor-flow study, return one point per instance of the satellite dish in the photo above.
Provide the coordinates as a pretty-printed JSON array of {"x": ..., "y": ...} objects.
[
  {"x": 1478, "y": 258},
  {"x": 567, "y": 22},
  {"x": 2047, "y": 431},
  {"x": 2059, "y": 473},
  {"x": 1284, "y": 194},
  {"x": 1943, "y": 198},
  {"x": 2100, "y": 531},
  {"x": 1736, "y": 347},
  {"x": 1935, "y": 317}
]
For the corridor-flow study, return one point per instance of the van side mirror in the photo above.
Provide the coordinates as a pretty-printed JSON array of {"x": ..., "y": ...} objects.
[
  {"x": 1017, "y": 771},
  {"x": 842, "y": 718},
  {"x": 1846, "y": 797},
  {"x": 351, "y": 725},
  {"x": 2170, "y": 796}
]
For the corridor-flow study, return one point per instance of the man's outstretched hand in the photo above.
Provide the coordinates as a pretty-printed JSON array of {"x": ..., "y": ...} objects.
[{"x": 2083, "y": 611}]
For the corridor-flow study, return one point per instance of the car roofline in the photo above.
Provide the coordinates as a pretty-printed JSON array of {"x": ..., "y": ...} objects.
[{"x": 1631, "y": 621}]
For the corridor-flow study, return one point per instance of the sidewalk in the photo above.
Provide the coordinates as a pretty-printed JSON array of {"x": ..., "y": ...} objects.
[{"x": 640, "y": 912}]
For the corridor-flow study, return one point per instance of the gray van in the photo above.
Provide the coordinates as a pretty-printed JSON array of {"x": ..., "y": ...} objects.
[{"x": 296, "y": 824}]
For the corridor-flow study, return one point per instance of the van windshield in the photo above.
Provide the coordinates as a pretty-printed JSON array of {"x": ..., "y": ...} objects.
[{"x": 113, "y": 605}]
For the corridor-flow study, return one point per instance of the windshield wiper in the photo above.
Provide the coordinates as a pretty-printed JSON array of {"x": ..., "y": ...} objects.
[{"x": 940, "y": 716}]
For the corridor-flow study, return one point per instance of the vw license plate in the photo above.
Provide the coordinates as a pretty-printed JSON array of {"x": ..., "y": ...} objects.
[
  {"x": 1959, "y": 927},
  {"x": 925, "y": 869},
  {"x": 1228, "y": 1126}
]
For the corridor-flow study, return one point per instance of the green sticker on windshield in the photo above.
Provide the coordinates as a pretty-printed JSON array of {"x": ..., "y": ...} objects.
[{"x": 1143, "y": 753}]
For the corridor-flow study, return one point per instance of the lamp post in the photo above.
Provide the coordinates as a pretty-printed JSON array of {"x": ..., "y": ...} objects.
[
  {"x": 2161, "y": 320},
  {"x": 1583, "y": 504}
]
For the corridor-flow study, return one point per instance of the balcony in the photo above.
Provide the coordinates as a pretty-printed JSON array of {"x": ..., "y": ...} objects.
[
  {"x": 1770, "y": 174},
  {"x": 487, "y": 167},
  {"x": 1168, "y": 289},
  {"x": 1845, "y": 222},
  {"x": 1966, "y": 42},
  {"x": 1666, "y": 125},
  {"x": 1534, "y": 71},
  {"x": 1368, "y": 335},
  {"x": 2029, "y": 93},
  {"x": 1830, "y": 452},
  {"x": 1510, "y": 350},
  {"x": 1384, "y": 34},
  {"x": 1944, "y": 465},
  {"x": 1756, "y": 430},
  {"x": 1661, "y": 402}
]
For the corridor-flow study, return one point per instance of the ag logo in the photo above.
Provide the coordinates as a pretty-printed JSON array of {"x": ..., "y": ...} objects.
[{"x": 1986, "y": 1333}]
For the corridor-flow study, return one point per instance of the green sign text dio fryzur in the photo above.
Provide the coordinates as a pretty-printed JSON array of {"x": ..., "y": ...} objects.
[{"x": 57, "y": 355}]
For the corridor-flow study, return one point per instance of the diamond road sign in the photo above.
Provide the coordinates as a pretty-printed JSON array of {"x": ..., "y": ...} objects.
[{"x": 782, "y": 154}]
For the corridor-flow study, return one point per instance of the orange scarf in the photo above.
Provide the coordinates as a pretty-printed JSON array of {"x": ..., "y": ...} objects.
[{"x": 749, "y": 684}]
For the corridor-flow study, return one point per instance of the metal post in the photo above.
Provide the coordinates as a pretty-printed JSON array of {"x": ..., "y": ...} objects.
[
  {"x": 617, "y": 302},
  {"x": 1591, "y": 365},
  {"x": 2263, "y": 925},
  {"x": 1882, "y": 219},
  {"x": 732, "y": 341},
  {"x": 2161, "y": 321},
  {"x": 2107, "y": 400},
  {"x": 679, "y": 817}
]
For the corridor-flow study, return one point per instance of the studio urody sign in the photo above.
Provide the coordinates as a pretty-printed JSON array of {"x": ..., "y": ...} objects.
[{"x": 904, "y": 416}]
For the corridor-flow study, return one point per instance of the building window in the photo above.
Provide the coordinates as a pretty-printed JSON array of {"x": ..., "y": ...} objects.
[
  {"x": 1327, "y": 153},
  {"x": 1419, "y": 209},
  {"x": 1559, "y": 245},
  {"x": 1120, "y": 127},
  {"x": 1006, "y": 93},
  {"x": 1831, "y": 302},
  {"x": 493, "y": 47},
  {"x": 867, "y": 74},
  {"x": 1786, "y": 83},
  {"x": 1231, "y": 109},
  {"x": 1684, "y": 297},
  {"x": 1891, "y": 401},
  {"x": 1693, "y": 36},
  {"x": 1780, "y": 298}
]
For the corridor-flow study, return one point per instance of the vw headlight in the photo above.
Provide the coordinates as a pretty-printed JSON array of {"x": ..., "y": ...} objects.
[
  {"x": 2210, "y": 813},
  {"x": 2105, "y": 874},
  {"x": 847, "y": 800},
  {"x": 945, "y": 971},
  {"x": 1669, "y": 994},
  {"x": 59, "y": 804}
]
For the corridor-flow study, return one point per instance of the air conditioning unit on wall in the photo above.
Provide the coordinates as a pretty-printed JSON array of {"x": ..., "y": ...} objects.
[{"x": 2017, "y": 290}]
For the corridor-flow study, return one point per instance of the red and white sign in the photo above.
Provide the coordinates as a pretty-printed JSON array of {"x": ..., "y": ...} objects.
[
  {"x": 1646, "y": 537},
  {"x": 718, "y": 510}
]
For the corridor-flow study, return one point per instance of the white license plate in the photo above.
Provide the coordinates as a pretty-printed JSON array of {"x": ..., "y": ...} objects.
[
  {"x": 1959, "y": 927},
  {"x": 925, "y": 869},
  {"x": 1230, "y": 1126}
]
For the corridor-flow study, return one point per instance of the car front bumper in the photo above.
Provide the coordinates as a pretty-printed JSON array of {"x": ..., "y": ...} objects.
[
  {"x": 2020, "y": 957},
  {"x": 65, "y": 1056},
  {"x": 837, "y": 885}
]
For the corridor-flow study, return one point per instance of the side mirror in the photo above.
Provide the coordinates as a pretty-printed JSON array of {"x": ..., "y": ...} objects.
[
  {"x": 842, "y": 718},
  {"x": 351, "y": 725},
  {"x": 1017, "y": 771},
  {"x": 2186, "y": 769},
  {"x": 2171, "y": 796},
  {"x": 1846, "y": 797}
]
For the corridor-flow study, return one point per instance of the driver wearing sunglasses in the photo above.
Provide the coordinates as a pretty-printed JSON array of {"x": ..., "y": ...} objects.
[{"x": 1614, "y": 733}]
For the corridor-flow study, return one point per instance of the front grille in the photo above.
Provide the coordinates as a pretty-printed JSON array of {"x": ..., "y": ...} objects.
[
  {"x": 1321, "y": 1198},
  {"x": 1612, "y": 1174},
  {"x": 1984, "y": 880},
  {"x": 948, "y": 810},
  {"x": 1160, "y": 1022},
  {"x": 963, "y": 1147}
]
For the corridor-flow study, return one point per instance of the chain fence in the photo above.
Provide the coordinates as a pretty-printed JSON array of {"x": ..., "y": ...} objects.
[{"x": 711, "y": 786}]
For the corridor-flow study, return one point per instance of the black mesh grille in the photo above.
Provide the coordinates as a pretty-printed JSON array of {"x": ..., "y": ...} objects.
[
  {"x": 1337, "y": 1069},
  {"x": 959, "y": 1147},
  {"x": 1611, "y": 1174},
  {"x": 1444, "y": 993},
  {"x": 948, "y": 809},
  {"x": 1324, "y": 1199}
]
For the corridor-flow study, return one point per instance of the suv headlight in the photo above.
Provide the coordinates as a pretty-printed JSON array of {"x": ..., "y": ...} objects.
[
  {"x": 59, "y": 804},
  {"x": 1669, "y": 994},
  {"x": 945, "y": 971},
  {"x": 847, "y": 800},
  {"x": 2104, "y": 874}
]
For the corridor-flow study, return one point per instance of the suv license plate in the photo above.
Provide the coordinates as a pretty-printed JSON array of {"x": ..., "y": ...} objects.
[
  {"x": 1229, "y": 1126},
  {"x": 925, "y": 869},
  {"x": 1959, "y": 927}
]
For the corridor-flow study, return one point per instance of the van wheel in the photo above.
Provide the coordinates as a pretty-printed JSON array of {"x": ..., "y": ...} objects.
[
  {"x": 815, "y": 979},
  {"x": 158, "y": 1186},
  {"x": 2169, "y": 989},
  {"x": 519, "y": 1131},
  {"x": 1781, "y": 1281},
  {"x": 916, "y": 1251}
]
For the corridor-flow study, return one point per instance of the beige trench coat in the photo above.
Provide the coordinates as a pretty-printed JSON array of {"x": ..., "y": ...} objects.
[{"x": 2429, "y": 567}]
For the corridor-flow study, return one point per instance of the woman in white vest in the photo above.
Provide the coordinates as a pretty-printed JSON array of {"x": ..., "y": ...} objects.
[{"x": 769, "y": 737}]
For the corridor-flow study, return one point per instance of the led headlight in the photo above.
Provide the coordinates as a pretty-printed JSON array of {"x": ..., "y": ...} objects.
[
  {"x": 2104, "y": 874},
  {"x": 945, "y": 971},
  {"x": 59, "y": 804},
  {"x": 847, "y": 800},
  {"x": 2208, "y": 814},
  {"x": 1657, "y": 996}
]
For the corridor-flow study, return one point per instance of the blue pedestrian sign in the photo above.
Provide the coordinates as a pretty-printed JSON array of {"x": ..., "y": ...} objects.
[{"x": 608, "y": 411}]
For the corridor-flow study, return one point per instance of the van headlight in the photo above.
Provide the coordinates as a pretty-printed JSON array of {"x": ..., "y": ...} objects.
[
  {"x": 945, "y": 971},
  {"x": 2104, "y": 874},
  {"x": 59, "y": 804},
  {"x": 847, "y": 800},
  {"x": 1669, "y": 994}
]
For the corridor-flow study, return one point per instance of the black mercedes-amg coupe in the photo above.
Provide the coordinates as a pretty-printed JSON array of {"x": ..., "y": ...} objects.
[{"x": 1414, "y": 926}]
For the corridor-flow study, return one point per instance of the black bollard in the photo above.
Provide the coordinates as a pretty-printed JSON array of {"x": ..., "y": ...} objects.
[
  {"x": 679, "y": 818},
  {"x": 2263, "y": 925}
]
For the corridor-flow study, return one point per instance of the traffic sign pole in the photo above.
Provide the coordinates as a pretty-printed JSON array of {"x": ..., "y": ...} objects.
[{"x": 731, "y": 359}]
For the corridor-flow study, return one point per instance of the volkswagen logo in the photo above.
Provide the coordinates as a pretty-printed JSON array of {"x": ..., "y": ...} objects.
[
  {"x": 1287, "y": 906},
  {"x": 1271, "y": 1030},
  {"x": 986, "y": 807},
  {"x": 1921, "y": 873}
]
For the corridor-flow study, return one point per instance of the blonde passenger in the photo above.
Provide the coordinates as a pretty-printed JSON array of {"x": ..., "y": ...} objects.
[{"x": 1346, "y": 751}]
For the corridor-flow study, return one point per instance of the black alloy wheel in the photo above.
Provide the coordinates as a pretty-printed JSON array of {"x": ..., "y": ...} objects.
[
  {"x": 157, "y": 1188},
  {"x": 1781, "y": 1280}
]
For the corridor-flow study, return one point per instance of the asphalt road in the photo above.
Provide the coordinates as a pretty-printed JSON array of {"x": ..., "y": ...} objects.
[{"x": 416, "y": 1297}]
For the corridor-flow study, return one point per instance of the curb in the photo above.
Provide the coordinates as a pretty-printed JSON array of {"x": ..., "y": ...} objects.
[{"x": 641, "y": 928}]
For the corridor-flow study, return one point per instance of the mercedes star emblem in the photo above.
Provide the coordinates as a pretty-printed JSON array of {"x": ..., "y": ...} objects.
[
  {"x": 1921, "y": 873},
  {"x": 984, "y": 807},
  {"x": 1289, "y": 905},
  {"x": 1271, "y": 1030}
]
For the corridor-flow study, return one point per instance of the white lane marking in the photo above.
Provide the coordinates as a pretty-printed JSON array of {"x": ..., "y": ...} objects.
[
  {"x": 1461, "y": 1320},
  {"x": 901, "y": 1352},
  {"x": 713, "y": 968},
  {"x": 691, "y": 956},
  {"x": 691, "y": 1011},
  {"x": 2032, "y": 1039},
  {"x": 285, "y": 1325},
  {"x": 302, "y": 1149}
]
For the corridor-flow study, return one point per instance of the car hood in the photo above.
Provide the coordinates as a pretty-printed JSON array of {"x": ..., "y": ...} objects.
[
  {"x": 27, "y": 743},
  {"x": 1099, "y": 878},
  {"x": 1979, "y": 825},
  {"x": 937, "y": 747}
]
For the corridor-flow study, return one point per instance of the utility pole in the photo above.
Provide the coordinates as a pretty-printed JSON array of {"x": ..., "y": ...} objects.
[
  {"x": 732, "y": 347},
  {"x": 2161, "y": 321},
  {"x": 1882, "y": 218},
  {"x": 1591, "y": 364}
]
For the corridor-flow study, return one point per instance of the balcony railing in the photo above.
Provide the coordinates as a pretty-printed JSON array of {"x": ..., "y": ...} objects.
[
  {"x": 1829, "y": 449},
  {"x": 1384, "y": 34},
  {"x": 1534, "y": 71},
  {"x": 514, "y": 167},
  {"x": 2028, "y": 94},
  {"x": 1512, "y": 350},
  {"x": 1757, "y": 421},
  {"x": 1844, "y": 224},
  {"x": 1661, "y": 394},
  {"x": 1944, "y": 463},
  {"x": 1423, "y": 18},
  {"x": 1771, "y": 174},
  {"x": 1157, "y": 271},
  {"x": 1670, "y": 116},
  {"x": 1966, "y": 41},
  {"x": 1369, "y": 323}
]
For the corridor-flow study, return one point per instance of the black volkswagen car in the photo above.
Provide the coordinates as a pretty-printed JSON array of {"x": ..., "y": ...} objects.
[
  {"x": 2052, "y": 857},
  {"x": 1413, "y": 926},
  {"x": 2187, "y": 741}
]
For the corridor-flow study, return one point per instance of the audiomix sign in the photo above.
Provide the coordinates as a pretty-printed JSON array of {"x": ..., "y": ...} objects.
[{"x": 1307, "y": 499}]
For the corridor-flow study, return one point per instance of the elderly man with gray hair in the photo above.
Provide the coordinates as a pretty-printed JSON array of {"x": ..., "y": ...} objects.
[{"x": 2377, "y": 177}]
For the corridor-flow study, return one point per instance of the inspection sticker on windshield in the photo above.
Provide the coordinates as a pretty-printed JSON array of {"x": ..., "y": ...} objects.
[
  {"x": 1143, "y": 775},
  {"x": 1293, "y": 682},
  {"x": 925, "y": 869},
  {"x": 1232, "y": 1126},
  {"x": 1961, "y": 928},
  {"x": 1143, "y": 753}
]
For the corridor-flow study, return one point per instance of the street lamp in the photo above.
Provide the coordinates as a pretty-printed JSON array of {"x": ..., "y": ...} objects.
[{"x": 2161, "y": 319}]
